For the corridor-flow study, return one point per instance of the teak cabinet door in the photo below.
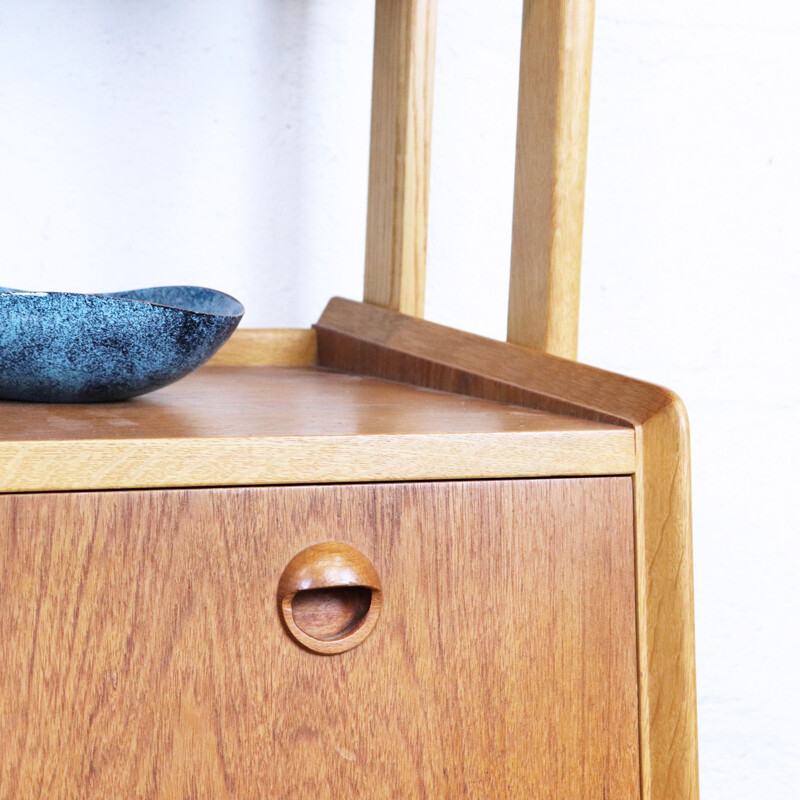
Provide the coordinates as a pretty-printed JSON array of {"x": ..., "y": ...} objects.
[{"x": 143, "y": 654}]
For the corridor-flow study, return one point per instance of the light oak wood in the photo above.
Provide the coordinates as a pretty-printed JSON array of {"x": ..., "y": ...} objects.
[
  {"x": 226, "y": 426},
  {"x": 555, "y": 72},
  {"x": 276, "y": 347},
  {"x": 400, "y": 154},
  {"x": 144, "y": 656},
  {"x": 371, "y": 341},
  {"x": 665, "y": 586}
]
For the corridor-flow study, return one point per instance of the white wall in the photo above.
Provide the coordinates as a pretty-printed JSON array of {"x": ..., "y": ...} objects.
[{"x": 226, "y": 144}]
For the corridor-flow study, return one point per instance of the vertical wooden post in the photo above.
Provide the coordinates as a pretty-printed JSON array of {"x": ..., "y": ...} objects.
[
  {"x": 402, "y": 105},
  {"x": 555, "y": 71}
]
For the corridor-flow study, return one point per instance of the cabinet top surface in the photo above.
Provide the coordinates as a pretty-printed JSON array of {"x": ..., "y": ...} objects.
[
  {"x": 227, "y": 426},
  {"x": 276, "y": 401}
]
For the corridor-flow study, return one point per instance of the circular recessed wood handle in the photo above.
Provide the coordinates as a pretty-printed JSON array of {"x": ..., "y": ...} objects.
[{"x": 330, "y": 597}]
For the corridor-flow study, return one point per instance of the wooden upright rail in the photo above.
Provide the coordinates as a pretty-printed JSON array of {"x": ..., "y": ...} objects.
[
  {"x": 552, "y": 127},
  {"x": 555, "y": 66},
  {"x": 400, "y": 154}
]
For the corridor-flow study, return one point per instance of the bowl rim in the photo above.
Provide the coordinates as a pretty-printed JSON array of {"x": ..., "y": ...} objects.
[{"x": 120, "y": 296}]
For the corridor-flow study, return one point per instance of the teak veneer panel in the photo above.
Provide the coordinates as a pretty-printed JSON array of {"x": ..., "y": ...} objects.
[
  {"x": 271, "y": 425},
  {"x": 277, "y": 401},
  {"x": 369, "y": 340},
  {"x": 143, "y": 655}
]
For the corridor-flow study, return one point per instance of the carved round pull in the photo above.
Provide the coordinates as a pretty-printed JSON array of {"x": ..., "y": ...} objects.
[{"x": 330, "y": 597}]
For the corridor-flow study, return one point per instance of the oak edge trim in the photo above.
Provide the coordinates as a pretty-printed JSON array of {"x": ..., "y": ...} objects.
[
  {"x": 267, "y": 347},
  {"x": 36, "y": 466}
]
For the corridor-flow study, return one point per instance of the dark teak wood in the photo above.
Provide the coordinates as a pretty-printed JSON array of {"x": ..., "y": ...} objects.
[{"x": 144, "y": 656}]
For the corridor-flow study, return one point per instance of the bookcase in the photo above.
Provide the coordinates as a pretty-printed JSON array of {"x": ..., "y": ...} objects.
[{"x": 378, "y": 558}]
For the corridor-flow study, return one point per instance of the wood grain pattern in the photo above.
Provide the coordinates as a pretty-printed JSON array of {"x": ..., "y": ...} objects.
[
  {"x": 330, "y": 597},
  {"x": 143, "y": 655},
  {"x": 400, "y": 154},
  {"x": 226, "y": 426},
  {"x": 330, "y": 614},
  {"x": 552, "y": 129},
  {"x": 665, "y": 586},
  {"x": 371, "y": 341},
  {"x": 271, "y": 347}
]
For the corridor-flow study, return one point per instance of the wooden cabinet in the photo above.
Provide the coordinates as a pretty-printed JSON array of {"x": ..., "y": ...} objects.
[
  {"x": 524, "y": 518},
  {"x": 144, "y": 655}
]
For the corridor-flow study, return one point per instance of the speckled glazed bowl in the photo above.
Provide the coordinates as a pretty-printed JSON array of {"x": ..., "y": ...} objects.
[{"x": 58, "y": 347}]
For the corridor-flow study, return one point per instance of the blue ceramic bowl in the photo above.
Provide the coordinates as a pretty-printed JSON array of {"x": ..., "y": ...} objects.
[{"x": 58, "y": 347}]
